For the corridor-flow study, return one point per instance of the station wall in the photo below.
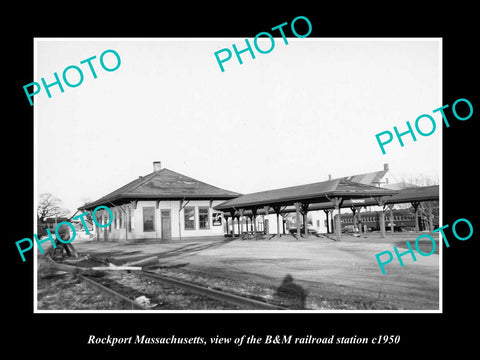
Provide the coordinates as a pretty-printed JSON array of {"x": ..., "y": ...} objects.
[{"x": 145, "y": 221}]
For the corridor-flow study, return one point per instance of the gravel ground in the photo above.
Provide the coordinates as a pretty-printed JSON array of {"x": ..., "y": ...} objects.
[
  {"x": 292, "y": 296},
  {"x": 67, "y": 292},
  {"x": 160, "y": 296},
  {"x": 58, "y": 290}
]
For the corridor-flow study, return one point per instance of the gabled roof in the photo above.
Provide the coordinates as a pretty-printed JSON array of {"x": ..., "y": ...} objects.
[
  {"x": 371, "y": 178},
  {"x": 163, "y": 184},
  {"x": 316, "y": 192}
]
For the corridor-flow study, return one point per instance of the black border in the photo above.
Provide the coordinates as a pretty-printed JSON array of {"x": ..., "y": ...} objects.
[{"x": 429, "y": 333}]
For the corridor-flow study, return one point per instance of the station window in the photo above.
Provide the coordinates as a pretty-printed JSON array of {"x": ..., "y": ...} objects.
[
  {"x": 148, "y": 219},
  {"x": 204, "y": 217},
  {"x": 189, "y": 218}
]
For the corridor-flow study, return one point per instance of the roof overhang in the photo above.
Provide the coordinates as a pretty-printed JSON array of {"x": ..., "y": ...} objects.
[
  {"x": 418, "y": 194},
  {"x": 323, "y": 192},
  {"x": 126, "y": 199}
]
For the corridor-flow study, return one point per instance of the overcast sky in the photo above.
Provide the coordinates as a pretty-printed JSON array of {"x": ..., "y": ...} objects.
[{"x": 305, "y": 110}]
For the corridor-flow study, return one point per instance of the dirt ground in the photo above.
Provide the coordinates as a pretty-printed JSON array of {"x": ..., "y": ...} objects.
[{"x": 333, "y": 275}]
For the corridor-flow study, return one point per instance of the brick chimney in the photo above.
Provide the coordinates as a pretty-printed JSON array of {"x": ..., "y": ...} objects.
[
  {"x": 157, "y": 166},
  {"x": 385, "y": 167}
]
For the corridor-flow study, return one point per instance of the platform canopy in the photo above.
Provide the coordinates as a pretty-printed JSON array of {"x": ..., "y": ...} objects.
[
  {"x": 320, "y": 192},
  {"x": 409, "y": 195},
  {"x": 301, "y": 197}
]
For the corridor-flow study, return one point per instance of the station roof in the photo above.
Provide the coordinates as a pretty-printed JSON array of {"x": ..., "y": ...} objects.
[
  {"x": 420, "y": 193},
  {"x": 163, "y": 184},
  {"x": 311, "y": 193}
]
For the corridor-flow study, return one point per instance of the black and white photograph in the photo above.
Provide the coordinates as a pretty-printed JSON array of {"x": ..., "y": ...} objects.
[
  {"x": 307, "y": 198},
  {"x": 276, "y": 187}
]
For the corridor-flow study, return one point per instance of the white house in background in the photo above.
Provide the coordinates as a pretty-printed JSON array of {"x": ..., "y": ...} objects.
[{"x": 162, "y": 205}]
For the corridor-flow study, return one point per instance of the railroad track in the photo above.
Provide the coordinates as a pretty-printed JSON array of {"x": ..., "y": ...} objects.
[
  {"x": 129, "y": 303},
  {"x": 240, "y": 301},
  {"x": 218, "y": 295},
  {"x": 232, "y": 299}
]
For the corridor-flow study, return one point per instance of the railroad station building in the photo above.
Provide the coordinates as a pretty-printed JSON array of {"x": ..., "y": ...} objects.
[
  {"x": 166, "y": 205},
  {"x": 163, "y": 205}
]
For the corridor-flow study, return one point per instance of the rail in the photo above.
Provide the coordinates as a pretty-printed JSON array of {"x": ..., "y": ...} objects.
[
  {"x": 237, "y": 300},
  {"x": 240, "y": 301},
  {"x": 112, "y": 293}
]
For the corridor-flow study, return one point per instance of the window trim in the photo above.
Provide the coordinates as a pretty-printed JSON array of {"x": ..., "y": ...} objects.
[
  {"x": 143, "y": 218},
  {"x": 208, "y": 217},
  {"x": 194, "y": 218}
]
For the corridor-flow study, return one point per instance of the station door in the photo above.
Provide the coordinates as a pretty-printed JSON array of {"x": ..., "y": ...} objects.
[{"x": 166, "y": 225}]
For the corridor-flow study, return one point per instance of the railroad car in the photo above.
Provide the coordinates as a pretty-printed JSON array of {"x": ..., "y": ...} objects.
[{"x": 403, "y": 220}]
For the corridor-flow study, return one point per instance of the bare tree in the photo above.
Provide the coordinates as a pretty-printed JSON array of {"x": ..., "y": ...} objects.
[
  {"x": 428, "y": 211},
  {"x": 50, "y": 206},
  {"x": 88, "y": 217},
  {"x": 421, "y": 180}
]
